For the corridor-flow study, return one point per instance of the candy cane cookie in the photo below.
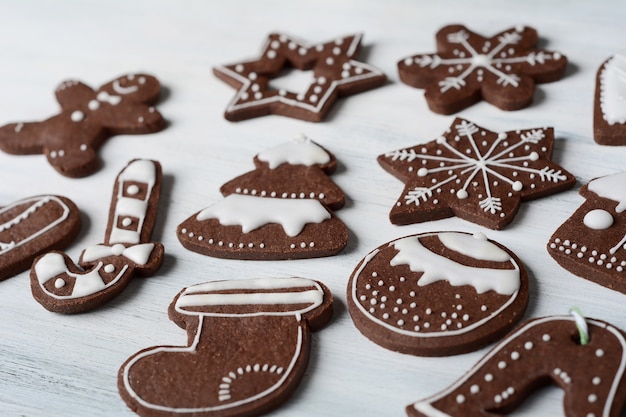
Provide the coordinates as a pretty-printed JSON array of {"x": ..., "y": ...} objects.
[{"x": 104, "y": 270}]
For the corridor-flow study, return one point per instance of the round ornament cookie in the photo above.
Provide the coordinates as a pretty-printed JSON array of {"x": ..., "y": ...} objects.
[{"x": 438, "y": 294}]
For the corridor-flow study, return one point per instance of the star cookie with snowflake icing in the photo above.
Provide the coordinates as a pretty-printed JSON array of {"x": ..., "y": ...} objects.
[
  {"x": 467, "y": 68},
  {"x": 335, "y": 71},
  {"x": 475, "y": 174}
]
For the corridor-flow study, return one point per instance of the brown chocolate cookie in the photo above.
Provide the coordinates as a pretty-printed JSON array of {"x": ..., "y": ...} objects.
[
  {"x": 468, "y": 67},
  {"x": 248, "y": 348},
  {"x": 592, "y": 242},
  {"x": 609, "y": 113},
  {"x": 33, "y": 226},
  {"x": 104, "y": 270},
  {"x": 437, "y": 294},
  {"x": 296, "y": 169},
  {"x": 335, "y": 73},
  {"x": 475, "y": 174},
  {"x": 250, "y": 227},
  {"x": 544, "y": 350},
  {"x": 88, "y": 117}
]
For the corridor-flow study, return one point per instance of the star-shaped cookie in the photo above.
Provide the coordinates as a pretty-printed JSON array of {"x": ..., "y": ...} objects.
[
  {"x": 468, "y": 67},
  {"x": 474, "y": 174},
  {"x": 335, "y": 73}
]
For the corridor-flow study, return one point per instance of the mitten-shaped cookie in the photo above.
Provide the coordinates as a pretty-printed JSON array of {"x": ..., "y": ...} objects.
[
  {"x": 592, "y": 242},
  {"x": 467, "y": 67},
  {"x": 437, "y": 294},
  {"x": 104, "y": 270},
  {"x": 542, "y": 351},
  {"x": 33, "y": 226},
  {"x": 88, "y": 117},
  {"x": 609, "y": 114},
  {"x": 297, "y": 169},
  {"x": 248, "y": 348}
]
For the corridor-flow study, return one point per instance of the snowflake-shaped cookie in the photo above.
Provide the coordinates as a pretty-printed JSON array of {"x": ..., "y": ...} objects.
[
  {"x": 467, "y": 67},
  {"x": 475, "y": 174},
  {"x": 335, "y": 73}
]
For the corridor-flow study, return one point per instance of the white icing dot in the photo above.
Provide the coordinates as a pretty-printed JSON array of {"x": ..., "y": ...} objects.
[
  {"x": 501, "y": 364},
  {"x": 330, "y": 61},
  {"x": 460, "y": 399},
  {"x": 127, "y": 222},
  {"x": 77, "y": 116},
  {"x": 83, "y": 147},
  {"x": 528, "y": 345},
  {"x": 93, "y": 105},
  {"x": 59, "y": 283},
  {"x": 488, "y": 377},
  {"x": 133, "y": 189},
  {"x": 109, "y": 268},
  {"x": 596, "y": 380},
  {"x": 599, "y": 353},
  {"x": 592, "y": 398},
  {"x": 545, "y": 337},
  {"x": 474, "y": 389},
  {"x": 515, "y": 355}
]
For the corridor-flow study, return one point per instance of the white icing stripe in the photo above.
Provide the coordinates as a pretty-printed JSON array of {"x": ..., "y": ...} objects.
[
  {"x": 204, "y": 300},
  {"x": 612, "y": 187},
  {"x": 49, "y": 266},
  {"x": 251, "y": 284},
  {"x": 301, "y": 151},
  {"x": 252, "y": 212},
  {"x": 38, "y": 202},
  {"x": 613, "y": 90},
  {"x": 186, "y": 410},
  {"x": 504, "y": 343},
  {"x": 139, "y": 254},
  {"x": 428, "y": 410},
  {"x": 314, "y": 297},
  {"x": 437, "y": 268},
  {"x": 477, "y": 246}
]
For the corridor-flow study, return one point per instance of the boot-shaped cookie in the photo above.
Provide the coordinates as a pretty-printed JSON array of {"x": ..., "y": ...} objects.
[
  {"x": 248, "y": 348},
  {"x": 592, "y": 242},
  {"x": 88, "y": 117},
  {"x": 542, "y": 351},
  {"x": 104, "y": 270},
  {"x": 33, "y": 226},
  {"x": 297, "y": 169}
]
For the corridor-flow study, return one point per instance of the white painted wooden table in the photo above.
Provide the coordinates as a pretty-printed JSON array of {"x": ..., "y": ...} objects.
[{"x": 57, "y": 365}]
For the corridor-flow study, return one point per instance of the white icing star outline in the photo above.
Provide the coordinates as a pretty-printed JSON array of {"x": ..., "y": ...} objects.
[
  {"x": 470, "y": 163},
  {"x": 325, "y": 59}
]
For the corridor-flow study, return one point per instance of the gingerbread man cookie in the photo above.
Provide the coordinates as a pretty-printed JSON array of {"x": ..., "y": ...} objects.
[
  {"x": 336, "y": 72},
  {"x": 437, "y": 294},
  {"x": 609, "y": 115},
  {"x": 248, "y": 348},
  {"x": 475, "y": 174},
  {"x": 543, "y": 350},
  {"x": 88, "y": 117},
  {"x": 468, "y": 67},
  {"x": 33, "y": 226},
  {"x": 104, "y": 270},
  {"x": 592, "y": 242}
]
